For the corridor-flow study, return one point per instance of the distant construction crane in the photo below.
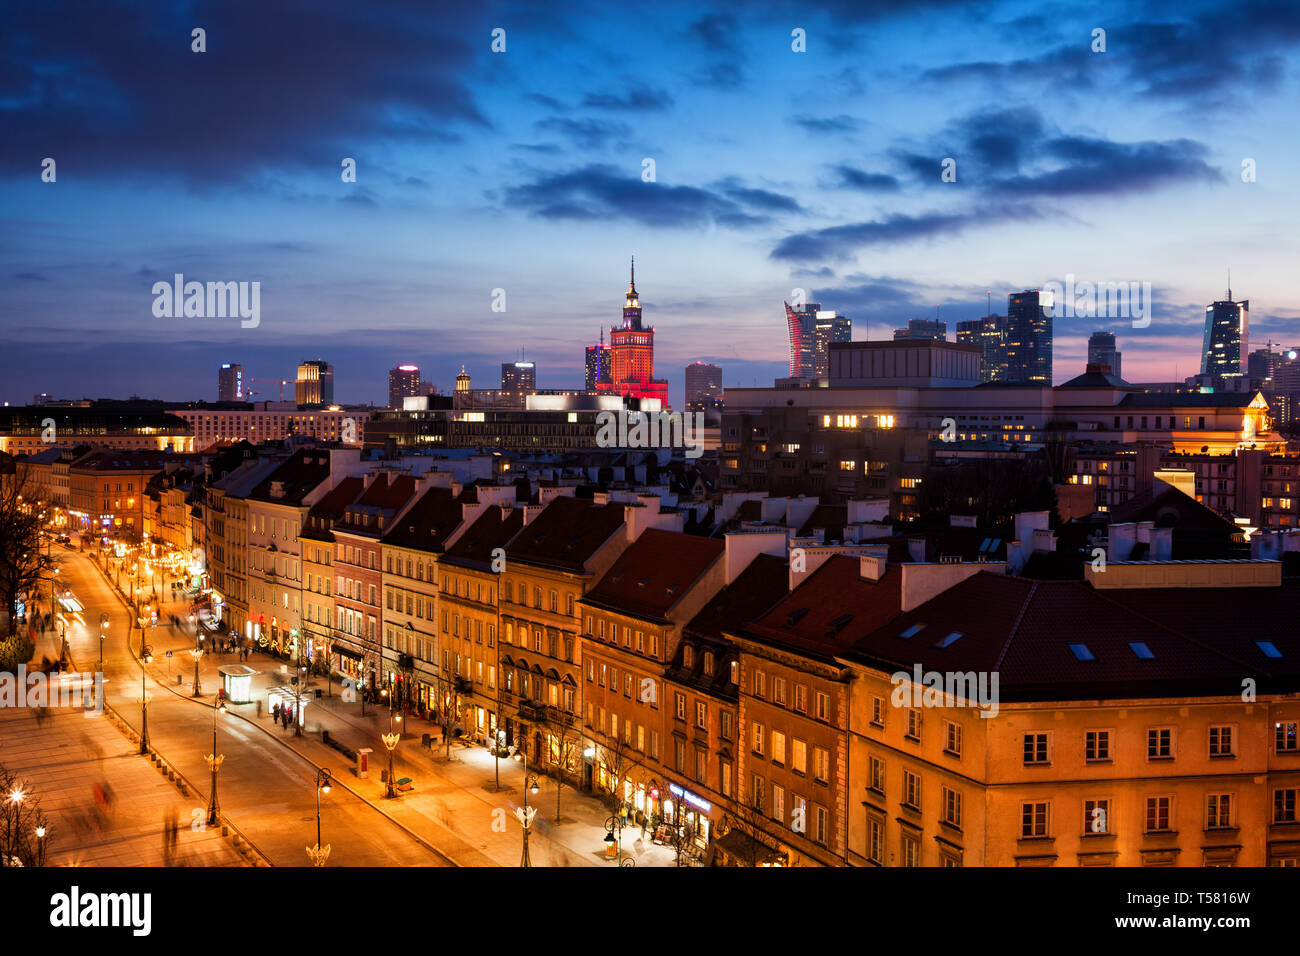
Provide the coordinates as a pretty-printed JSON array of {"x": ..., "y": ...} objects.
[{"x": 271, "y": 381}]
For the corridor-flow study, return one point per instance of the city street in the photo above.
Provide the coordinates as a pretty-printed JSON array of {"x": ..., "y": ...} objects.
[
  {"x": 453, "y": 814},
  {"x": 266, "y": 790}
]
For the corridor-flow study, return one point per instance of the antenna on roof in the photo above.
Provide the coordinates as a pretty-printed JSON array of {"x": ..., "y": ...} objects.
[{"x": 1229, "y": 283}]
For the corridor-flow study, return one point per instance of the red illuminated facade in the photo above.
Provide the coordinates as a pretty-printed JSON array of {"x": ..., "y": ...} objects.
[{"x": 632, "y": 354}]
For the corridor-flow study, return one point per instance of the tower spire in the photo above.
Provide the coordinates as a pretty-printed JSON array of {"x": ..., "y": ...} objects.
[
  {"x": 1229, "y": 283},
  {"x": 631, "y": 287}
]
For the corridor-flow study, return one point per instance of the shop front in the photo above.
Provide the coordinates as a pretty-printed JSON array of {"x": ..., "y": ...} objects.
[{"x": 690, "y": 812}]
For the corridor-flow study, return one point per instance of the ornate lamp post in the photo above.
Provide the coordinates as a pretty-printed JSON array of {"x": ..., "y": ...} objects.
[
  {"x": 40, "y": 846},
  {"x": 197, "y": 655},
  {"x": 103, "y": 626},
  {"x": 390, "y": 741},
  {"x": 319, "y": 854},
  {"x": 525, "y": 813},
  {"x": 214, "y": 760},
  {"x": 145, "y": 658}
]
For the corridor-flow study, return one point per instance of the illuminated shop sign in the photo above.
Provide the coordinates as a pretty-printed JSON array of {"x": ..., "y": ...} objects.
[{"x": 691, "y": 798}]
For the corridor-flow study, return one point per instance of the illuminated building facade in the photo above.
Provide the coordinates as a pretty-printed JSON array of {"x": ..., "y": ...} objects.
[
  {"x": 403, "y": 382},
  {"x": 1028, "y": 338},
  {"x": 632, "y": 353},
  {"x": 230, "y": 383},
  {"x": 315, "y": 383},
  {"x": 1226, "y": 341},
  {"x": 812, "y": 330}
]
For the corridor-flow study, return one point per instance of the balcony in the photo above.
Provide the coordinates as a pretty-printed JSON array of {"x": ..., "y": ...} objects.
[
  {"x": 532, "y": 710},
  {"x": 463, "y": 685}
]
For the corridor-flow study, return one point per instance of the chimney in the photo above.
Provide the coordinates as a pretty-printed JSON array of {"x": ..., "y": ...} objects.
[
  {"x": 1122, "y": 538},
  {"x": 873, "y": 562},
  {"x": 743, "y": 547}
]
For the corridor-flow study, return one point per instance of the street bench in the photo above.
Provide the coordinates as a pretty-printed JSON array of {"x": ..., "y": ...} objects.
[{"x": 341, "y": 747}]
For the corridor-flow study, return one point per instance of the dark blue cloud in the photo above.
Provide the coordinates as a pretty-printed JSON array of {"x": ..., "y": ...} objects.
[
  {"x": 850, "y": 177},
  {"x": 587, "y": 133},
  {"x": 636, "y": 98},
  {"x": 113, "y": 89},
  {"x": 838, "y": 243},
  {"x": 842, "y": 123},
  {"x": 603, "y": 192}
]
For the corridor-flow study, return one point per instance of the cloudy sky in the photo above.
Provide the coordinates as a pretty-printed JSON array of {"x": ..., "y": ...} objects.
[{"x": 522, "y": 170}]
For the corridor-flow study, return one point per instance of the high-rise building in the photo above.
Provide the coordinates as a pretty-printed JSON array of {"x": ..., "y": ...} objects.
[
  {"x": 1102, "y": 351},
  {"x": 1261, "y": 366},
  {"x": 812, "y": 330},
  {"x": 230, "y": 383},
  {"x": 1028, "y": 338},
  {"x": 989, "y": 334},
  {"x": 315, "y": 383},
  {"x": 703, "y": 387},
  {"x": 519, "y": 377},
  {"x": 403, "y": 382},
  {"x": 632, "y": 353},
  {"x": 1226, "y": 342},
  {"x": 597, "y": 363},
  {"x": 922, "y": 329}
]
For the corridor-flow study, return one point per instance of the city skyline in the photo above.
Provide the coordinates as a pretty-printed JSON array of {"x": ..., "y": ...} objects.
[{"x": 1099, "y": 165}]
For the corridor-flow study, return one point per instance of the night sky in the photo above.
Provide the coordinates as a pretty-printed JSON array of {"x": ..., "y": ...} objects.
[{"x": 522, "y": 171}]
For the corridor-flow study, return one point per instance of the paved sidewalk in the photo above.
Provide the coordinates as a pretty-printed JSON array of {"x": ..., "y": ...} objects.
[
  {"x": 454, "y": 805},
  {"x": 66, "y": 756}
]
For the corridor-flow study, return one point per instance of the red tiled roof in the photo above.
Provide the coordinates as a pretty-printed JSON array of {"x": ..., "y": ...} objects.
[
  {"x": 831, "y": 609},
  {"x": 655, "y": 571},
  {"x": 298, "y": 477},
  {"x": 764, "y": 582},
  {"x": 428, "y": 522},
  {"x": 490, "y": 531},
  {"x": 567, "y": 533},
  {"x": 1024, "y": 630}
]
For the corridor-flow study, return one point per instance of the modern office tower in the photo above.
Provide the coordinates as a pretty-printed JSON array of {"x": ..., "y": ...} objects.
[
  {"x": 632, "y": 353},
  {"x": 230, "y": 383},
  {"x": 1028, "y": 338},
  {"x": 812, "y": 330},
  {"x": 1102, "y": 351},
  {"x": 1226, "y": 342},
  {"x": 989, "y": 334},
  {"x": 1260, "y": 366},
  {"x": 403, "y": 382},
  {"x": 922, "y": 329},
  {"x": 519, "y": 377},
  {"x": 315, "y": 383},
  {"x": 703, "y": 387},
  {"x": 597, "y": 363}
]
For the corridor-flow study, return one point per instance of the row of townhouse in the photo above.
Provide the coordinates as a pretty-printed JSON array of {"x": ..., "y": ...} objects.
[{"x": 752, "y": 707}]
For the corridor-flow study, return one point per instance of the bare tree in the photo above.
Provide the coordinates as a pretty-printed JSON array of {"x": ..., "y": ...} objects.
[
  {"x": 568, "y": 754},
  {"x": 23, "y": 563},
  {"x": 24, "y": 828}
]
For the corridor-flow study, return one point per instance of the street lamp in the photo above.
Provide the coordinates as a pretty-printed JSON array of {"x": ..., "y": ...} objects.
[
  {"x": 319, "y": 854},
  {"x": 15, "y": 798},
  {"x": 525, "y": 813},
  {"x": 40, "y": 846},
  {"x": 197, "y": 654},
  {"x": 145, "y": 658},
  {"x": 390, "y": 741},
  {"x": 103, "y": 626},
  {"x": 615, "y": 825},
  {"x": 214, "y": 760}
]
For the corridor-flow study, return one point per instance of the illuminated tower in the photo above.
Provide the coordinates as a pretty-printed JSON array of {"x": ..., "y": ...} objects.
[{"x": 632, "y": 352}]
